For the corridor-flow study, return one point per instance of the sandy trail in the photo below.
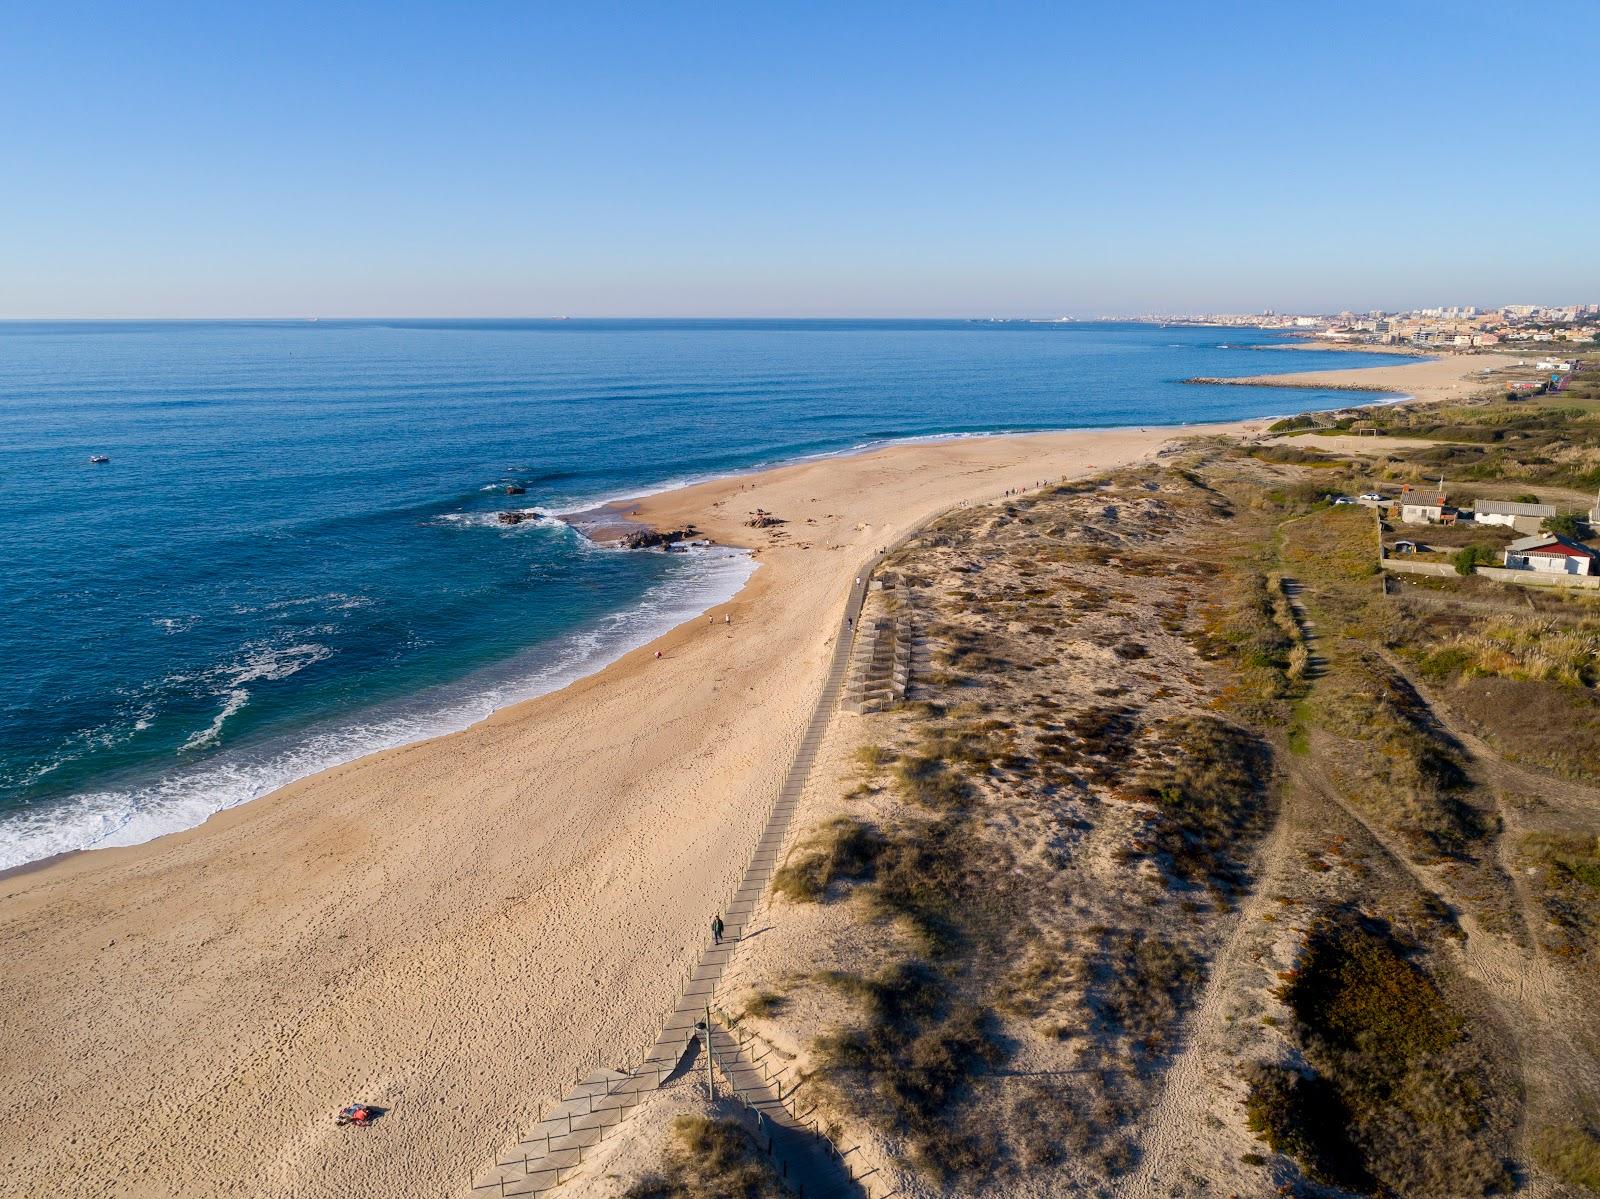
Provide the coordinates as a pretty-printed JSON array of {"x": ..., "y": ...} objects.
[
  {"x": 1202, "y": 1079},
  {"x": 448, "y": 929}
]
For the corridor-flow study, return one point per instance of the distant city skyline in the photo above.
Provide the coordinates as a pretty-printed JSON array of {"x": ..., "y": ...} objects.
[{"x": 409, "y": 160}]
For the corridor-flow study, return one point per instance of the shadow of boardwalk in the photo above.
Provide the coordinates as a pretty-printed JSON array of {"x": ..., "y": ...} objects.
[{"x": 783, "y": 1124}]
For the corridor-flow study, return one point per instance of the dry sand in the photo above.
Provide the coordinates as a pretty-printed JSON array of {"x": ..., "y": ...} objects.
[
  {"x": 450, "y": 928},
  {"x": 1458, "y": 377}
]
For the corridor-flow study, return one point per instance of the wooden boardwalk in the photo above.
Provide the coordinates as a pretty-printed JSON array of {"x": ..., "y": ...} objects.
[{"x": 598, "y": 1102}]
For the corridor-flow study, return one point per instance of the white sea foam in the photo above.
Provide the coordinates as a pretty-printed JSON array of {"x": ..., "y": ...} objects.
[
  {"x": 332, "y": 601},
  {"x": 491, "y": 520},
  {"x": 260, "y": 663},
  {"x": 186, "y": 797}
]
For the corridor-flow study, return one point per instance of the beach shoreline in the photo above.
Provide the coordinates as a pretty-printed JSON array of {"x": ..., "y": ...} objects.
[{"x": 394, "y": 927}]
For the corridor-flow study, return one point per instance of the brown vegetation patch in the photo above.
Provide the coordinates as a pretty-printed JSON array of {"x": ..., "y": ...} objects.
[
  {"x": 712, "y": 1159},
  {"x": 1391, "y": 1065}
]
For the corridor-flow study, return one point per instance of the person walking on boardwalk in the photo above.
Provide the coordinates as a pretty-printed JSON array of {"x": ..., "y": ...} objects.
[{"x": 716, "y": 929}]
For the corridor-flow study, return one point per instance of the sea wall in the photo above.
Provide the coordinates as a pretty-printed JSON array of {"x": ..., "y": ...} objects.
[{"x": 1522, "y": 578}]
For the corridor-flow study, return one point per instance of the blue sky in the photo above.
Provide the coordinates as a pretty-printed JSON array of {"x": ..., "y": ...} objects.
[{"x": 533, "y": 159}]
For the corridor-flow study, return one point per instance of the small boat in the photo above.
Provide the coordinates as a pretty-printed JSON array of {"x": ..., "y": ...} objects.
[{"x": 99, "y": 459}]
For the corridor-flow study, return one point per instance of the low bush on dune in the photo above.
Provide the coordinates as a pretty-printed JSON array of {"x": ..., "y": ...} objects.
[
  {"x": 841, "y": 850},
  {"x": 1097, "y": 741},
  {"x": 1248, "y": 626},
  {"x": 1209, "y": 794},
  {"x": 1412, "y": 773},
  {"x": 1300, "y": 1116},
  {"x": 928, "y": 780},
  {"x": 712, "y": 1159},
  {"x": 1143, "y": 984},
  {"x": 873, "y": 758},
  {"x": 915, "y": 1051},
  {"x": 1397, "y": 1096},
  {"x": 930, "y": 876},
  {"x": 765, "y": 1004}
]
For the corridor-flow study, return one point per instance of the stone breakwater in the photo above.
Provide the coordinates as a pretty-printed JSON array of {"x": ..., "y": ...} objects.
[{"x": 1287, "y": 381}]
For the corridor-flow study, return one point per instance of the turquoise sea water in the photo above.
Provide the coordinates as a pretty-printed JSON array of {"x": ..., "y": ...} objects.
[{"x": 292, "y": 557}]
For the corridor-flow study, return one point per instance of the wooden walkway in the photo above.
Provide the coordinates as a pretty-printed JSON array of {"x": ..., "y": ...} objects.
[{"x": 601, "y": 1100}]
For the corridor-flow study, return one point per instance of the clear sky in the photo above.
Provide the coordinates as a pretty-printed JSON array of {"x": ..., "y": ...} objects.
[{"x": 529, "y": 159}]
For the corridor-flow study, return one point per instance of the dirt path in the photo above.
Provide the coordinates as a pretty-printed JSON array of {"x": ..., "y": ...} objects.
[{"x": 1193, "y": 1090}]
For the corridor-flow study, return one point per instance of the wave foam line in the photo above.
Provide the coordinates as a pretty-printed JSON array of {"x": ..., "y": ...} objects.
[{"x": 186, "y": 797}]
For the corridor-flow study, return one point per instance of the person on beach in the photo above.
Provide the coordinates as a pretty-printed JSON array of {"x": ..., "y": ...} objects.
[{"x": 716, "y": 929}]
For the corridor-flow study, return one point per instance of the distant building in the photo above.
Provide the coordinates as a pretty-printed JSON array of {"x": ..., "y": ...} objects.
[
  {"x": 1551, "y": 553},
  {"x": 1524, "y": 518},
  {"x": 1419, "y": 512}
]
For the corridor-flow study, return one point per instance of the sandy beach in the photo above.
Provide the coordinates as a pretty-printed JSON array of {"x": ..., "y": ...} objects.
[
  {"x": 448, "y": 928},
  {"x": 1454, "y": 378}
]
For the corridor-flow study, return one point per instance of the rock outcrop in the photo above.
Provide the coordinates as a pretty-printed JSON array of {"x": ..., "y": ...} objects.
[
  {"x": 516, "y": 516},
  {"x": 644, "y": 539}
]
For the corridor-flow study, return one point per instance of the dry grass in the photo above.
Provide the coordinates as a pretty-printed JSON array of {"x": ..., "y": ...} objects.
[
  {"x": 841, "y": 850},
  {"x": 1537, "y": 650},
  {"x": 712, "y": 1159},
  {"x": 1569, "y": 1152},
  {"x": 1541, "y": 724}
]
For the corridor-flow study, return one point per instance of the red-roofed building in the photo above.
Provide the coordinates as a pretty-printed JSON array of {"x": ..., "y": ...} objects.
[{"x": 1551, "y": 553}]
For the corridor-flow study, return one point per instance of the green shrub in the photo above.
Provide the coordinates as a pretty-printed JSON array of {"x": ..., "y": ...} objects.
[
  {"x": 1411, "y": 1088},
  {"x": 1300, "y": 1117},
  {"x": 1468, "y": 560}
]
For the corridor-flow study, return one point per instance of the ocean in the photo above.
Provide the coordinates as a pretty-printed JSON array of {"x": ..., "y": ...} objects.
[{"x": 292, "y": 557}]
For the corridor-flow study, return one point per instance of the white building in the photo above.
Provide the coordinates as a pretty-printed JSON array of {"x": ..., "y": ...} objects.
[
  {"x": 1415, "y": 512},
  {"x": 1524, "y": 518},
  {"x": 1551, "y": 553}
]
